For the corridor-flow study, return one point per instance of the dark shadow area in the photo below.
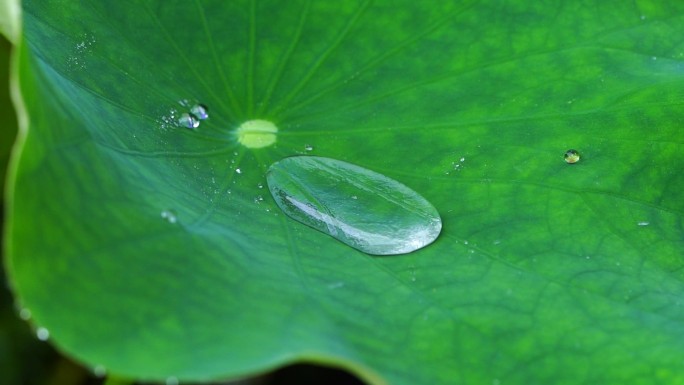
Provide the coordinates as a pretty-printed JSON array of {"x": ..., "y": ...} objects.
[
  {"x": 295, "y": 374},
  {"x": 307, "y": 374}
]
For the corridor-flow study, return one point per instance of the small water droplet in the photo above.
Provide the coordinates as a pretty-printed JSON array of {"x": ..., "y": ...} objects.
[
  {"x": 389, "y": 219},
  {"x": 354, "y": 197},
  {"x": 308, "y": 147},
  {"x": 571, "y": 156},
  {"x": 260, "y": 185},
  {"x": 42, "y": 334},
  {"x": 25, "y": 314},
  {"x": 200, "y": 111},
  {"x": 188, "y": 120},
  {"x": 99, "y": 371},
  {"x": 258, "y": 199},
  {"x": 169, "y": 216},
  {"x": 237, "y": 170},
  {"x": 643, "y": 223},
  {"x": 462, "y": 159},
  {"x": 642, "y": 17}
]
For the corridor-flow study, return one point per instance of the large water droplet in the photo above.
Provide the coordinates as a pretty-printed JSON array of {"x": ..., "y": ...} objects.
[{"x": 386, "y": 218}]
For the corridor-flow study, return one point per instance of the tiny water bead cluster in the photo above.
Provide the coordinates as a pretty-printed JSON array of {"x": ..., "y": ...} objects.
[{"x": 191, "y": 119}]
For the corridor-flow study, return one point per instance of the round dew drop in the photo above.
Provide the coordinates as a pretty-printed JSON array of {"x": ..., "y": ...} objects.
[
  {"x": 188, "y": 121},
  {"x": 384, "y": 217},
  {"x": 571, "y": 156},
  {"x": 99, "y": 371},
  {"x": 42, "y": 334},
  {"x": 25, "y": 314},
  {"x": 200, "y": 111}
]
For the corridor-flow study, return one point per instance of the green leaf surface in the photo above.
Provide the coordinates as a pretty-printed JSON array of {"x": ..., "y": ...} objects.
[
  {"x": 544, "y": 272},
  {"x": 8, "y": 119}
]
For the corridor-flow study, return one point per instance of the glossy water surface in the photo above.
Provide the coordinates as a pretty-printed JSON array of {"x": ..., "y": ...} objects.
[{"x": 362, "y": 208}]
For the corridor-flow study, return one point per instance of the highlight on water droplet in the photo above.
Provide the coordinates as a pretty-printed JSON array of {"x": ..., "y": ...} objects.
[
  {"x": 308, "y": 147},
  {"x": 169, "y": 216},
  {"x": 188, "y": 121},
  {"x": 571, "y": 156},
  {"x": 200, "y": 111},
  {"x": 257, "y": 133},
  {"x": 385, "y": 217}
]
